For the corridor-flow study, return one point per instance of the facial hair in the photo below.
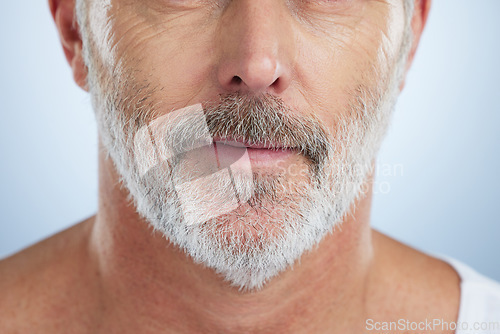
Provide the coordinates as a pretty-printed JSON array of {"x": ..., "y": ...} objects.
[{"x": 281, "y": 217}]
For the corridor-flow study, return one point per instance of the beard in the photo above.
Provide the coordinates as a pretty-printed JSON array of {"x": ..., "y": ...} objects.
[{"x": 246, "y": 223}]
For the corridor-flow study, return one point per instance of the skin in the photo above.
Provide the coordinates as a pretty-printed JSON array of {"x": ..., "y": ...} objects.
[{"x": 112, "y": 274}]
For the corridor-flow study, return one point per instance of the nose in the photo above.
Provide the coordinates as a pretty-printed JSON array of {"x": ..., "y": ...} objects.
[{"x": 256, "y": 47}]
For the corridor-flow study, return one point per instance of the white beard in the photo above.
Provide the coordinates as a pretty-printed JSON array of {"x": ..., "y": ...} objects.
[
  {"x": 244, "y": 255},
  {"x": 249, "y": 244}
]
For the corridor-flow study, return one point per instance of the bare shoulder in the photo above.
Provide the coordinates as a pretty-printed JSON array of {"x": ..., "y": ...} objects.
[
  {"x": 420, "y": 285},
  {"x": 45, "y": 283}
]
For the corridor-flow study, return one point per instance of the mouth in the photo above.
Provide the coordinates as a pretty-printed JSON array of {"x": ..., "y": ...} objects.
[{"x": 265, "y": 154}]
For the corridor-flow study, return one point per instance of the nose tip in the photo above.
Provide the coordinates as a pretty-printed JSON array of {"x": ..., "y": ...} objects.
[
  {"x": 255, "y": 46},
  {"x": 254, "y": 74}
]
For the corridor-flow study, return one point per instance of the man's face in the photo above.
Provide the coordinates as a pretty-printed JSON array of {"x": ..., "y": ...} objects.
[{"x": 261, "y": 117}]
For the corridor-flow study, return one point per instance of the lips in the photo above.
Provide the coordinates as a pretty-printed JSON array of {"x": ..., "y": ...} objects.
[{"x": 228, "y": 151}]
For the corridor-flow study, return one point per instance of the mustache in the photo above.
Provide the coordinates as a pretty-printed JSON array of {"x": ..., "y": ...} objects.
[
  {"x": 266, "y": 120},
  {"x": 254, "y": 120}
]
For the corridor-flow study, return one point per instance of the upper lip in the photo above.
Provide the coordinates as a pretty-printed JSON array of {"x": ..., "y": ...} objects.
[{"x": 243, "y": 143}]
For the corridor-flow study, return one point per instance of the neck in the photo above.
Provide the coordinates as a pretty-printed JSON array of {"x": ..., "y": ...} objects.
[{"x": 148, "y": 284}]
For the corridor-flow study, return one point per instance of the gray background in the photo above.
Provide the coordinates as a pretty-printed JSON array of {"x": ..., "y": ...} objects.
[{"x": 438, "y": 183}]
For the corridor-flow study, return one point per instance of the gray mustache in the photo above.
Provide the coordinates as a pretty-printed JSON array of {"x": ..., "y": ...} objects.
[{"x": 267, "y": 120}]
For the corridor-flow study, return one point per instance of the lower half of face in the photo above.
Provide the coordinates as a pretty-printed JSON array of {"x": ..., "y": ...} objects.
[{"x": 245, "y": 183}]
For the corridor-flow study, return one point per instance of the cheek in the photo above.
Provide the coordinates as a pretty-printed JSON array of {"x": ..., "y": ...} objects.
[
  {"x": 332, "y": 68},
  {"x": 180, "y": 65},
  {"x": 172, "y": 54},
  {"x": 329, "y": 75}
]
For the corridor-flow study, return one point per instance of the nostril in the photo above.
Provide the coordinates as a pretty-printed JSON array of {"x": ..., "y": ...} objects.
[
  {"x": 236, "y": 80},
  {"x": 276, "y": 82}
]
